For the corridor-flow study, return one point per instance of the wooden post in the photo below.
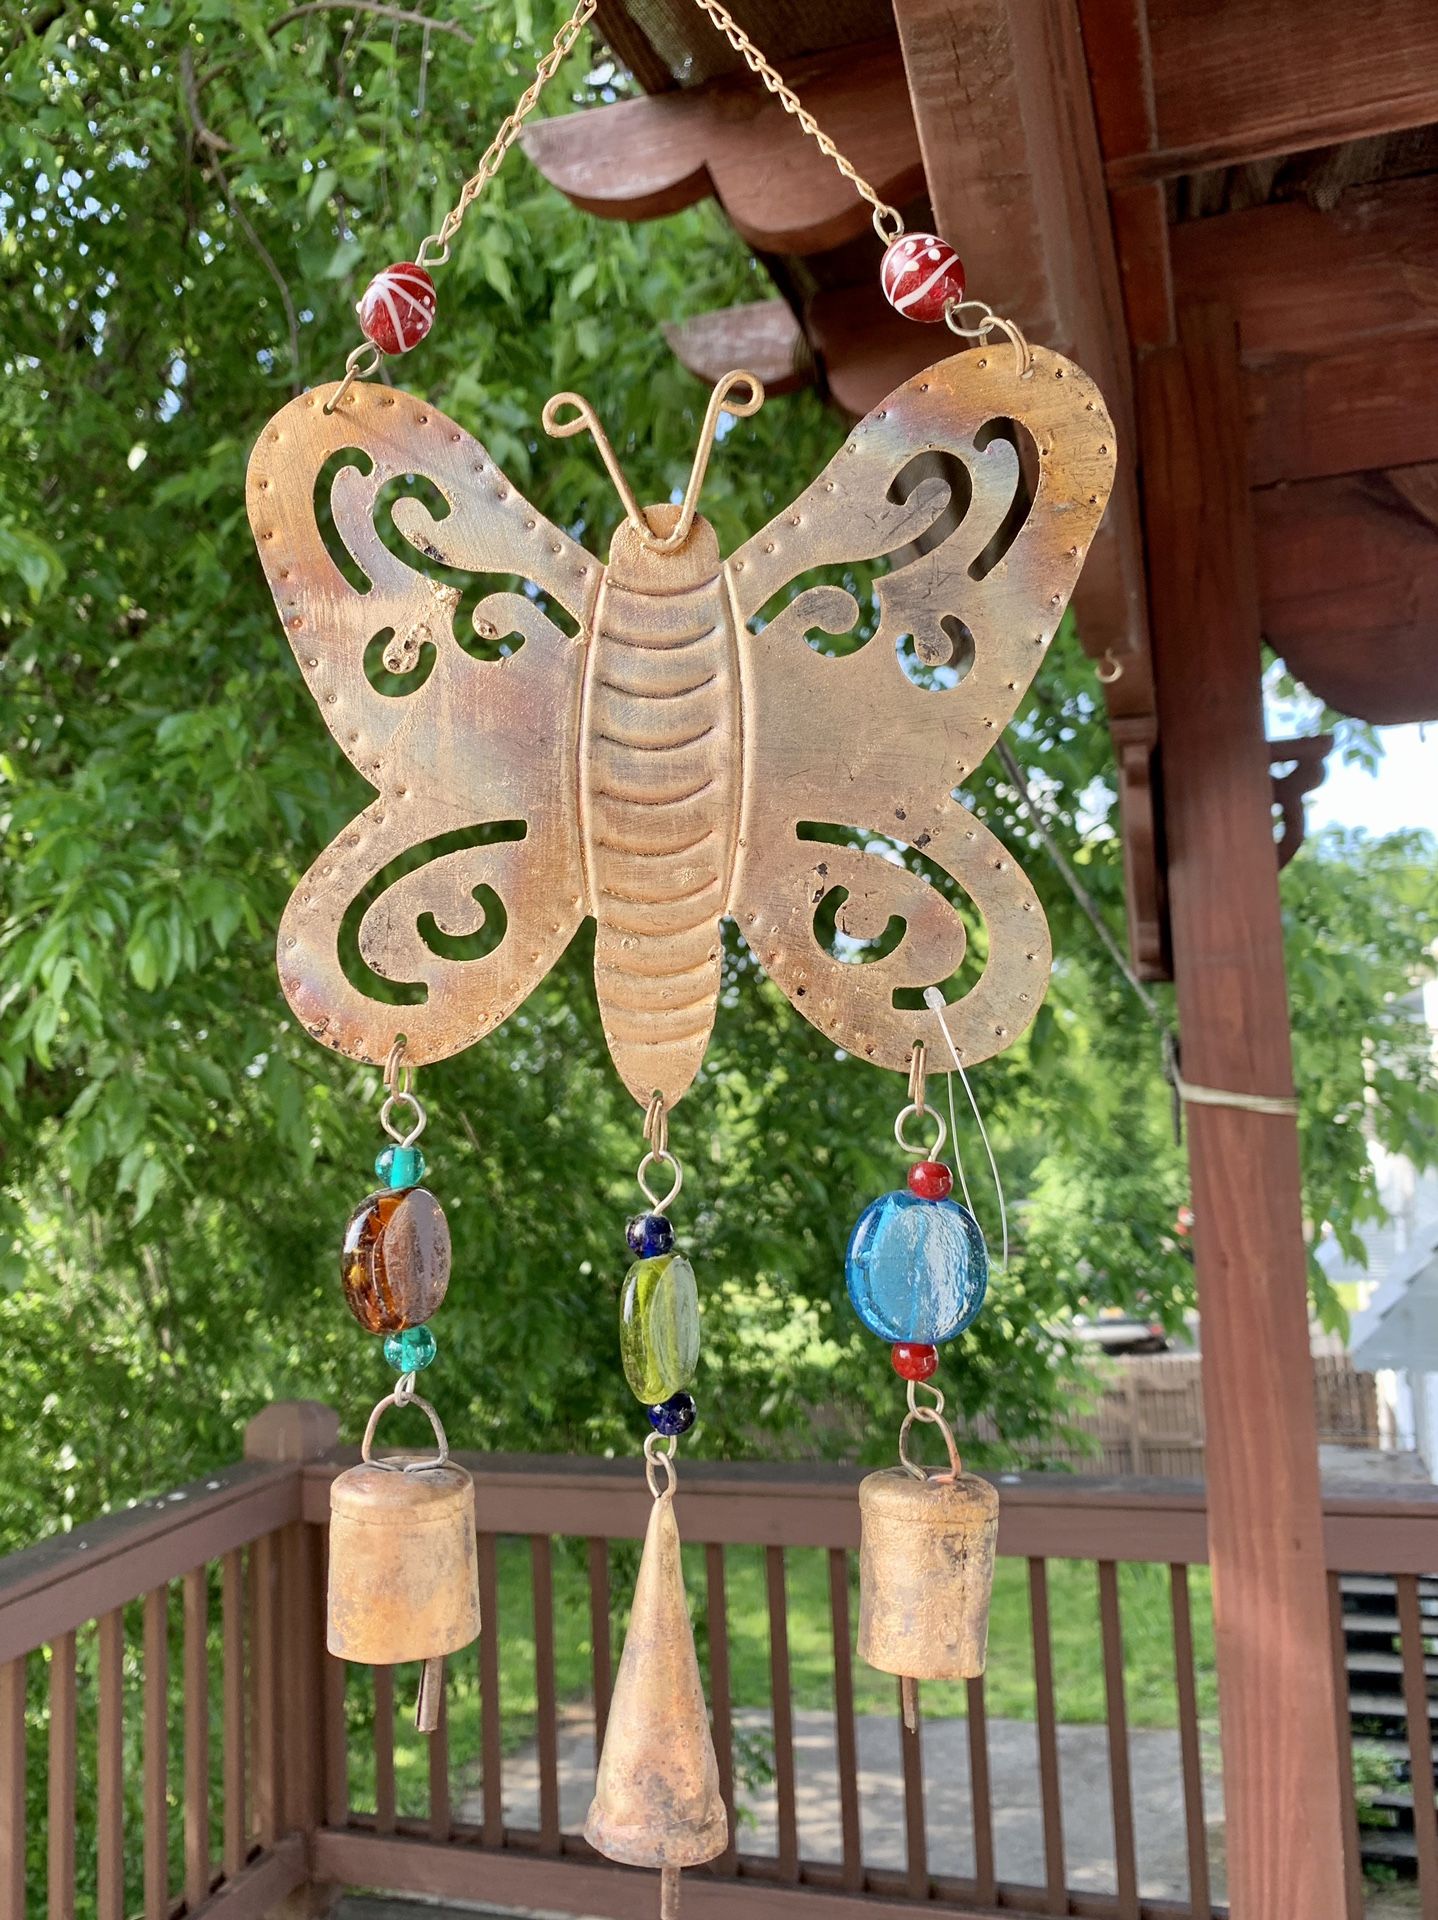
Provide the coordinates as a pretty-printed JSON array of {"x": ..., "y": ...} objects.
[
  {"x": 1279, "y": 1728},
  {"x": 299, "y": 1430}
]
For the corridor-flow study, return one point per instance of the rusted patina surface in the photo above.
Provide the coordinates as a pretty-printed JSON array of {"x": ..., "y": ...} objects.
[
  {"x": 657, "y": 1801},
  {"x": 926, "y": 1569},
  {"x": 403, "y": 1580},
  {"x": 654, "y": 766}
]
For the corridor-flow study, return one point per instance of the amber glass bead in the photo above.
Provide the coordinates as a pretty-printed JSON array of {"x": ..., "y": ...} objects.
[{"x": 395, "y": 1264}]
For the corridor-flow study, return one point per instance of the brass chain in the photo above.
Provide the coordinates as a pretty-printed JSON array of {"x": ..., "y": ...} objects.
[
  {"x": 888, "y": 223},
  {"x": 434, "y": 248}
]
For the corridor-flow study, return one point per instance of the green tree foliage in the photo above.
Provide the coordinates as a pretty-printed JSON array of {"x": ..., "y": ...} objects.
[{"x": 194, "y": 193}]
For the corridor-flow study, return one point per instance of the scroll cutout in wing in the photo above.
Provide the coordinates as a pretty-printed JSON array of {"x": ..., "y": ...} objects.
[
  {"x": 460, "y": 751},
  {"x": 854, "y": 742}
]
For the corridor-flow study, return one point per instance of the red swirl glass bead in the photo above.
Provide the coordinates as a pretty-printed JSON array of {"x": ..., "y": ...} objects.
[
  {"x": 920, "y": 275},
  {"x": 397, "y": 308},
  {"x": 914, "y": 1362},
  {"x": 930, "y": 1180}
]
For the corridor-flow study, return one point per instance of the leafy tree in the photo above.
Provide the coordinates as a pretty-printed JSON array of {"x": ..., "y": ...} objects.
[{"x": 195, "y": 193}]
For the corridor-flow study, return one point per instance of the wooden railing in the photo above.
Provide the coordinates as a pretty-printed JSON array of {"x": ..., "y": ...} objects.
[{"x": 192, "y": 1749}]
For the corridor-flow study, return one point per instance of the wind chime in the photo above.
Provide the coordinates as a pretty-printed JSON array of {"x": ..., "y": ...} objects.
[{"x": 661, "y": 758}]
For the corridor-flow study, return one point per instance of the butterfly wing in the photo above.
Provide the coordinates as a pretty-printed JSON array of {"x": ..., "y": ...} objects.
[
  {"x": 473, "y": 765},
  {"x": 933, "y": 478}
]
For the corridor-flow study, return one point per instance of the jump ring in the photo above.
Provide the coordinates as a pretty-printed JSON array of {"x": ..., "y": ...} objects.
[
  {"x": 921, "y": 1153},
  {"x": 406, "y": 1466},
  {"x": 882, "y": 215},
  {"x": 666, "y": 1158},
  {"x": 942, "y": 1477},
  {"x": 656, "y": 1455},
  {"x": 402, "y": 1098}
]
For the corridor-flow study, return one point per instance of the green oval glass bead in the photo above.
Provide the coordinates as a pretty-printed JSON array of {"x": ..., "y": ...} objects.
[
  {"x": 407, "y": 1352},
  {"x": 659, "y": 1327}
]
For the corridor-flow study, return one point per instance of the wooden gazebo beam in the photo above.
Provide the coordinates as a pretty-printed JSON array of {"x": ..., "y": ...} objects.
[{"x": 1279, "y": 1717}]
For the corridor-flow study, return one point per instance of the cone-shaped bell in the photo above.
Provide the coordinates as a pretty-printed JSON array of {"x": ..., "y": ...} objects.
[{"x": 657, "y": 1801}]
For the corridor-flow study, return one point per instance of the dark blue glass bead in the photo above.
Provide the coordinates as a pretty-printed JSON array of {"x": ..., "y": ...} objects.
[
  {"x": 675, "y": 1415},
  {"x": 649, "y": 1234},
  {"x": 917, "y": 1270}
]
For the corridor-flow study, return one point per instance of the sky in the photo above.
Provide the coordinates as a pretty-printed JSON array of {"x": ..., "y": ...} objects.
[{"x": 1403, "y": 793}]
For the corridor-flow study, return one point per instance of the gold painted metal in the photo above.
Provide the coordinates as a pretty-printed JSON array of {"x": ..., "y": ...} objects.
[
  {"x": 657, "y": 1801},
  {"x": 403, "y": 1576},
  {"x": 926, "y": 1568},
  {"x": 652, "y": 762}
]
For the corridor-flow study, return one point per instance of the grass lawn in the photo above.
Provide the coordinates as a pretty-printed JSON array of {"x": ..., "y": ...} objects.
[{"x": 1073, "y": 1611}]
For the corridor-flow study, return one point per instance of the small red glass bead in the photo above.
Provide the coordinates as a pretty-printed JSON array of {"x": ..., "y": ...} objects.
[
  {"x": 912, "y": 1362},
  {"x": 931, "y": 1180},
  {"x": 397, "y": 309},
  {"x": 920, "y": 275}
]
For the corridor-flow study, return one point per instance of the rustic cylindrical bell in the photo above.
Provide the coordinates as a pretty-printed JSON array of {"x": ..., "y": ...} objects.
[
  {"x": 404, "y": 1578},
  {"x": 926, "y": 1569},
  {"x": 657, "y": 1801}
]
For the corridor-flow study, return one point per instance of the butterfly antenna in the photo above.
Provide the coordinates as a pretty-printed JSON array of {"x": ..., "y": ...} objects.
[
  {"x": 585, "y": 420},
  {"x": 719, "y": 402}
]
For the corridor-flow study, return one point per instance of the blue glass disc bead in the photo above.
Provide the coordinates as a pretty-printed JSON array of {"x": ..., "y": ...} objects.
[
  {"x": 400, "y": 1166},
  {"x": 649, "y": 1234},
  {"x": 917, "y": 1270},
  {"x": 675, "y": 1415},
  {"x": 411, "y": 1350}
]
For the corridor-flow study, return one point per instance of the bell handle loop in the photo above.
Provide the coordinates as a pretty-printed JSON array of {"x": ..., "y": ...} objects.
[
  {"x": 409, "y": 1466},
  {"x": 928, "y": 1476}
]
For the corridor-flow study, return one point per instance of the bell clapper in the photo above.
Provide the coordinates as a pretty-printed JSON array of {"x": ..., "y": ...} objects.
[
  {"x": 669, "y": 1893},
  {"x": 909, "y": 1694},
  {"x": 431, "y": 1694}
]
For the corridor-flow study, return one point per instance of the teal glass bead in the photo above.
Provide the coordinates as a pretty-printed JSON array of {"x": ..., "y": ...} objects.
[
  {"x": 917, "y": 1270},
  {"x": 400, "y": 1166},
  {"x": 411, "y": 1350}
]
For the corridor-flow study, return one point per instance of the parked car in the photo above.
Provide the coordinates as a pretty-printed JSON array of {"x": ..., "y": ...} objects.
[{"x": 1114, "y": 1331}]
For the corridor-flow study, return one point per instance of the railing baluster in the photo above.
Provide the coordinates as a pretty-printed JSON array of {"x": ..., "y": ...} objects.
[
  {"x": 541, "y": 1573},
  {"x": 717, "y": 1615},
  {"x": 1047, "y": 1737},
  {"x": 491, "y": 1745},
  {"x": 916, "y": 1842},
  {"x": 601, "y": 1656},
  {"x": 845, "y": 1740},
  {"x": 439, "y": 1810},
  {"x": 383, "y": 1749},
  {"x": 1352, "y": 1859},
  {"x": 61, "y": 1798},
  {"x": 197, "y": 1736},
  {"x": 266, "y": 1666},
  {"x": 157, "y": 1754},
  {"x": 234, "y": 1843},
  {"x": 1200, "y": 1897},
  {"x": 783, "y": 1708},
  {"x": 981, "y": 1792},
  {"x": 1420, "y": 1738},
  {"x": 1120, "y": 1781},
  {"x": 12, "y": 1789},
  {"x": 333, "y": 1675},
  {"x": 110, "y": 1771}
]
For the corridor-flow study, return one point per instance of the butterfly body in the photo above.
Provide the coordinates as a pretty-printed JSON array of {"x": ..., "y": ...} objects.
[{"x": 659, "y": 782}]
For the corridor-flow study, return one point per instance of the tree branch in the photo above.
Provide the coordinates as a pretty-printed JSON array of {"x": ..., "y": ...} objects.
[
  {"x": 405, "y": 15},
  {"x": 241, "y": 219}
]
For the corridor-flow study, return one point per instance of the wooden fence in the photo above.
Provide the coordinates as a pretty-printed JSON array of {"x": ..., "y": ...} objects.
[
  {"x": 250, "y": 1742},
  {"x": 1148, "y": 1416}
]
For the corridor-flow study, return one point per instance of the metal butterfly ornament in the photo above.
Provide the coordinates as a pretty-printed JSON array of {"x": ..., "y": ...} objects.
[
  {"x": 655, "y": 767},
  {"x": 632, "y": 740}
]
